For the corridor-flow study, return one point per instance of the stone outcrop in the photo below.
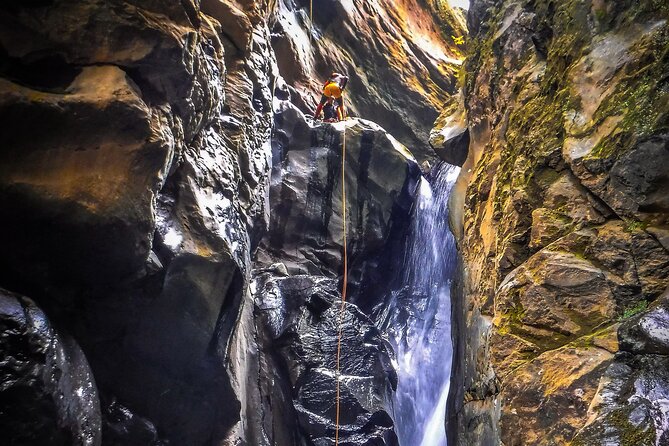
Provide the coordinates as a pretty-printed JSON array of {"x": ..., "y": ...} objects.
[
  {"x": 47, "y": 391},
  {"x": 561, "y": 226},
  {"x": 305, "y": 230},
  {"x": 299, "y": 317},
  {"x": 297, "y": 287},
  {"x": 133, "y": 182},
  {"x": 450, "y": 136},
  {"x": 139, "y": 204}
]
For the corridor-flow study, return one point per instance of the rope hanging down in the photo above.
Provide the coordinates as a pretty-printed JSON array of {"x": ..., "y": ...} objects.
[
  {"x": 344, "y": 283},
  {"x": 311, "y": 20}
]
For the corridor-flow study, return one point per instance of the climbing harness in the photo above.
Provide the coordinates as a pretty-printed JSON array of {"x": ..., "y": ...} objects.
[{"x": 344, "y": 283}]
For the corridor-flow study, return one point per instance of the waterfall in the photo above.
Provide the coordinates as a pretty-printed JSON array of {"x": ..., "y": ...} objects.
[{"x": 420, "y": 328}]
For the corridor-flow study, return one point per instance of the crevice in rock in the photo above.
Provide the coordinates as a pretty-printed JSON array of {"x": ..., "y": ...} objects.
[
  {"x": 228, "y": 316},
  {"x": 48, "y": 72},
  {"x": 148, "y": 93}
]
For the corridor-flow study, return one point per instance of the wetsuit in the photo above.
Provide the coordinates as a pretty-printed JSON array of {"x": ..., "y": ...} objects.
[{"x": 333, "y": 88}]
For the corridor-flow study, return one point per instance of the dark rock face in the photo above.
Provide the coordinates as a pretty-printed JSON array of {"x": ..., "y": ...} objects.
[
  {"x": 299, "y": 319},
  {"x": 305, "y": 231},
  {"x": 134, "y": 179},
  {"x": 562, "y": 226},
  {"x": 123, "y": 428},
  {"x": 135, "y": 186},
  {"x": 47, "y": 391},
  {"x": 450, "y": 136},
  {"x": 631, "y": 405},
  {"x": 297, "y": 293}
]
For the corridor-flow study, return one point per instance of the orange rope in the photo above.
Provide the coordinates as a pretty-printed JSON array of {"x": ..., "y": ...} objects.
[
  {"x": 311, "y": 19},
  {"x": 345, "y": 280}
]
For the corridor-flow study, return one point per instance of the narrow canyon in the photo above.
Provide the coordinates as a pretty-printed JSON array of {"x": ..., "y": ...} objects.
[{"x": 477, "y": 255}]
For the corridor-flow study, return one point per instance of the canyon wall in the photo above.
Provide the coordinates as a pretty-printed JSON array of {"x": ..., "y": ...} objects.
[
  {"x": 149, "y": 156},
  {"x": 562, "y": 220}
]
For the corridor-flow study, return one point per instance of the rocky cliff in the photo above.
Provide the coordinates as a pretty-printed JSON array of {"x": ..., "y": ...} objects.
[
  {"x": 400, "y": 56},
  {"x": 171, "y": 222},
  {"x": 563, "y": 224}
]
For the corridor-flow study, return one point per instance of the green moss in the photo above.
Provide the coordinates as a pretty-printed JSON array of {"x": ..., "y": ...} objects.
[
  {"x": 641, "y": 98},
  {"x": 617, "y": 424},
  {"x": 589, "y": 340},
  {"x": 630, "y": 435},
  {"x": 633, "y": 310},
  {"x": 635, "y": 226}
]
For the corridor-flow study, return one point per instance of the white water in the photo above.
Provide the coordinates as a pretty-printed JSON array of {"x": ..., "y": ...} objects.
[{"x": 420, "y": 322}]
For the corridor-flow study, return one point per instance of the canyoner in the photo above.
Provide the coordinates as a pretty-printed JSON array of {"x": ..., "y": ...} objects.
[{"x": 332, "y": 99}]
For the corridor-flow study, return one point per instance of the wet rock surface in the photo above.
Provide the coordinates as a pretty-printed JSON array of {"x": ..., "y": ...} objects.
[
  {"x": 134, "y": 180},
  {"x": 47, "y": 390},
  {"x": 306, "y": 227},
  {"x": 561, "y": 226},
  {"x": 450, "y": 136},
  {"x": 135, "y": 186},
  {"x": 298, "y": 265},
  {"x": 631, "y": 404},
  {"x": 299, "y": 317}
]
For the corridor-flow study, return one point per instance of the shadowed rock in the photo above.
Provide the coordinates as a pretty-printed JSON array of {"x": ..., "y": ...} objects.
[
  {"x": 299, "y": 317},
  {"x": 47, "y": 391}
]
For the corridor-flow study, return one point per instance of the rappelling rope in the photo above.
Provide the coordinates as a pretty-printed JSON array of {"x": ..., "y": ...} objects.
[
  {"x": 311, "y": 20},
  {"x": 344, "y": 283}
]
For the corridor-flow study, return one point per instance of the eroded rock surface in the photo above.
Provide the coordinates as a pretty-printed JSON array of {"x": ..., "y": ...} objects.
[
  {"x": 561, "y": 226},
  {"x": 47, "y": 390},
  {"x": 135, "y": 186},
  {"x": 306, "y": 227},
  {"x": 299, "y": 317},
  {"x": 134, "y": 179},
  {"x": 299, "y": 263}
]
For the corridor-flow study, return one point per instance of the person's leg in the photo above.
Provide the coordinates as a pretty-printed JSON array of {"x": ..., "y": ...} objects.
[
  {"x": 329, "y": 113},
  {"x": 324, "y": 99},
  {"x": 341, "y": 112}
]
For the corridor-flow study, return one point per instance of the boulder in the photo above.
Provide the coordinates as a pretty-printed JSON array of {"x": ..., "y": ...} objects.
[
  {"x": 91, "y": 175},
  {"x": 305, "y": 230},
  {"x": 647, "y": 332},
  {"x": 450, "y": 135},
  {"x": 47, "y": 390},
  {"x": 299, "y": 318},
  {"x": 631, "y": 404}
]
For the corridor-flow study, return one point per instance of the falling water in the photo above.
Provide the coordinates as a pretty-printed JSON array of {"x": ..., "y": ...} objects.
[{"x": 420, "y": 322}]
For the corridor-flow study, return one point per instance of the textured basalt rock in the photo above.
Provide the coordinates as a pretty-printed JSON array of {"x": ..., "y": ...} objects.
[
  {"x": 299, "y": 316},
  {"x": 305, "y": 231},
  {"x": 450, "y": 136},
  {"x": 297, "y": 291},
  {"x": 631, "y": 405},
  {"x": 134, "y": 182},
  {"x": 47, "y": 391},
  {"x": 562, "y": 214}
]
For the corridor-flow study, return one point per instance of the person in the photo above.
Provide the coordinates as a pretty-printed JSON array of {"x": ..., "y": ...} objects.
[
  {"x": 329, "y": 112},
  {"x": 333, "y": 90}
]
